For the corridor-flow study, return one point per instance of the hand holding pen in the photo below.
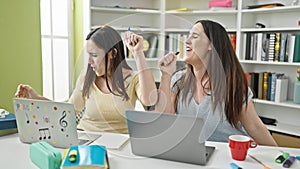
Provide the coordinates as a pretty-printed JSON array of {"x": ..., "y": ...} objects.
[
  {"x": 133, "y": 41},
  {"x": 167, "y": 63}
]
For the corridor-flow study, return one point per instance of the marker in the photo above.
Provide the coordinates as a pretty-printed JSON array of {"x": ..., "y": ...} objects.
[
  {"x": 234, "y": 166},
  {"x": 162, "y": 64},
  {"x": 72, "y": 156},
  {"x": 280, "y": 159},
  {"x": 128, "y": 28},
  {"x": 289, "y": 162},
  {"x": 298, "y": 157}
]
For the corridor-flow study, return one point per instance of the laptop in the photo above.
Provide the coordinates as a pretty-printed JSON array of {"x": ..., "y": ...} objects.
[
  {"x": 167, "y": 136},
  {"x": 49, "y": 121}
]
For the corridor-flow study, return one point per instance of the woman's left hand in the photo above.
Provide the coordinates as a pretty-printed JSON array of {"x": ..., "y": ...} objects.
[{"x": 134, "y": 42}]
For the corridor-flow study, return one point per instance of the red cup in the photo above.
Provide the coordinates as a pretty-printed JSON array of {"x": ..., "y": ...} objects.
[{"x": 239, "y": 146}]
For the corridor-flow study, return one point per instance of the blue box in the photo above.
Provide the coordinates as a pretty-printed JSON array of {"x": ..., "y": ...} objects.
[{"x": 9, "y": 122}]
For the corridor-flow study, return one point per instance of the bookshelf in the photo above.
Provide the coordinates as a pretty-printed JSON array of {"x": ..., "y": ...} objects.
[{"x": 166, "y": 17}]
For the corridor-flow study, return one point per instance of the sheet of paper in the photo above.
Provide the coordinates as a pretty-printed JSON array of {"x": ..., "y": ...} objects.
[{"x": 112, "y": 140}]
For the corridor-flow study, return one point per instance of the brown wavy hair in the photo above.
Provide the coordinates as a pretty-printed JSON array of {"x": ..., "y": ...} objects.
[
  {"x": 108, "y": 39},
  {"x": 227, "y": 80}
]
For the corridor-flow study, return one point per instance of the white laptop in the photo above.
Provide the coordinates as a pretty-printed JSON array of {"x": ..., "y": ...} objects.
[
  {"x": 167, "y": 136},
  {"x": 49, "y": 121}
]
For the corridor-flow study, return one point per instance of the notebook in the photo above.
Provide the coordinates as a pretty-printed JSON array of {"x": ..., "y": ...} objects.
[
  {"x": 49, "y": 121},
  {"x": 167, "y": 136}
]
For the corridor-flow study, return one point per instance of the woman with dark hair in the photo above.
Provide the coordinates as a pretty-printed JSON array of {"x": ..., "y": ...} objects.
[
  {"x": 212, "y": 86},
  {"x": 109, "y": 86}
]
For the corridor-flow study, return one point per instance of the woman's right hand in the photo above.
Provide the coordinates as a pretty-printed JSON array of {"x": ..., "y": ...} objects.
[
  {"x": 27, "y": 91},
  {"x": 167, "y": 64}
]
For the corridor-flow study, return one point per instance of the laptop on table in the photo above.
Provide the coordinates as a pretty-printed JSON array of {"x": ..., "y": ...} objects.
[
  {"x": 49, "y": 121},
  {"x": 167, "y": 136}
]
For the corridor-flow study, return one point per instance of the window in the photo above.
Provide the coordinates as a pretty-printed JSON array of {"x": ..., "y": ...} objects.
[{"x": 56, "y": 28}]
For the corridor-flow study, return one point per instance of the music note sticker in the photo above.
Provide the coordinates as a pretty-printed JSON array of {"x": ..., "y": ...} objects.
[
  {"x": 63, "y": 123},
  {"x": 27, "y": 118},
  {"x": 43, "y": 132}
]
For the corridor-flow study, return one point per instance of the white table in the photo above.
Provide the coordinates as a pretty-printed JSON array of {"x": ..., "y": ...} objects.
[{"x": 15, "y": 155}]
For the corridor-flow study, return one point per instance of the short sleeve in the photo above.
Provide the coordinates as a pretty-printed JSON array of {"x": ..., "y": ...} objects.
[
  {"x": 76, "y": 97},
  {"x": 136, "y": 82},
  {"x": 250, "y": 95},
  {"x": 175, "y": 78}
]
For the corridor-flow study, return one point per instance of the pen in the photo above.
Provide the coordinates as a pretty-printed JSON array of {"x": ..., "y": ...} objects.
[
  {"x": 265, "y": 167},
  {"x": 234, "y": 166},
  {"x": 162, "y": 64}
]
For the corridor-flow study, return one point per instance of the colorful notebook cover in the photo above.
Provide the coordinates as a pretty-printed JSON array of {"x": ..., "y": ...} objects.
[{"x": 91, "y": 156}]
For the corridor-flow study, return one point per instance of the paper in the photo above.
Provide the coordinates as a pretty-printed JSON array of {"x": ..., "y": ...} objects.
[
  {"x": 268, "y": 159},
  {"x": 112, "y": 140}
]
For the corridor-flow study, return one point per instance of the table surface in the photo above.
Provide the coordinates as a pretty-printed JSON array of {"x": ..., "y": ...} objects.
[{"x": 14, "y": 155}]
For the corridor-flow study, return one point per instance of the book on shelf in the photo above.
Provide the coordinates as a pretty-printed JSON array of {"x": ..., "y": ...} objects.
[
  {"x": 248, "y": 46},
  {"x": 281, "y": 89},
  {"x": 277, "y": 46},
  {"x": 271, "y": 50},
  {"x": 283, "y": 46},
  {"x": 265, "y": 86},
  {"x": 296, "y": 56},
  {"x": 232, "y": 37},
  {"x": 273, "y": 86},
  {"x": 264, "y": 46},
  {"x": 291, "y": 45},
  {"x": 259, "y": 46},
  {"x": 260, "y": 85}
]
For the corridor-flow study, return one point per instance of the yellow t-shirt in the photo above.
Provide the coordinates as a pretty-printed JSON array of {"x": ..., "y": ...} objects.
[{"x": 105, "y": 112}]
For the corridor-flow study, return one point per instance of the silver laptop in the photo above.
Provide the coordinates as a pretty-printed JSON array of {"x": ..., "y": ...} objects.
[
  {"x": 52, "y": 122},
  {"x": 167, "y": 136}
]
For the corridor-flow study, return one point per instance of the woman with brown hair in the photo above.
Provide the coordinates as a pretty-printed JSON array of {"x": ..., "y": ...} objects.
[
  {"x": 212, "y": 86},
  {"x": 109, "y": 86}
]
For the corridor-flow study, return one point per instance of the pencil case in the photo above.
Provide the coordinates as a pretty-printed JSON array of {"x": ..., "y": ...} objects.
[
  {"x": 220, "y": 3},
  {"x": 45, "y": 156}
]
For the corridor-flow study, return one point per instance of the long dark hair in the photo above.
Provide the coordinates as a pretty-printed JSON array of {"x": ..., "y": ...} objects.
[
  {"x": 222, "y": 64},
  {"x": 108, "y": 39}
]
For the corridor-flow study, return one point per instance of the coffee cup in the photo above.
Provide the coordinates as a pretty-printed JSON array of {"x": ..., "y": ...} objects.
[{"x": 239, "y": 145}]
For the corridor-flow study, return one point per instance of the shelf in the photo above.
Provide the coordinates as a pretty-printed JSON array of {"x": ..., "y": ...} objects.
[
  {"x": 287, "y": 29},
  {"x": 285, "y": 128},
  {"x": 210, "y": 12},
  {"x": 275, "y": 9},
  {"x": 188, "y": 30},
  {"x": 269, "y": 63},
  {"x": 289, "y": 104},
  {"x": 132, "y": 29},
  {"x": 124, "y": 10}
]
